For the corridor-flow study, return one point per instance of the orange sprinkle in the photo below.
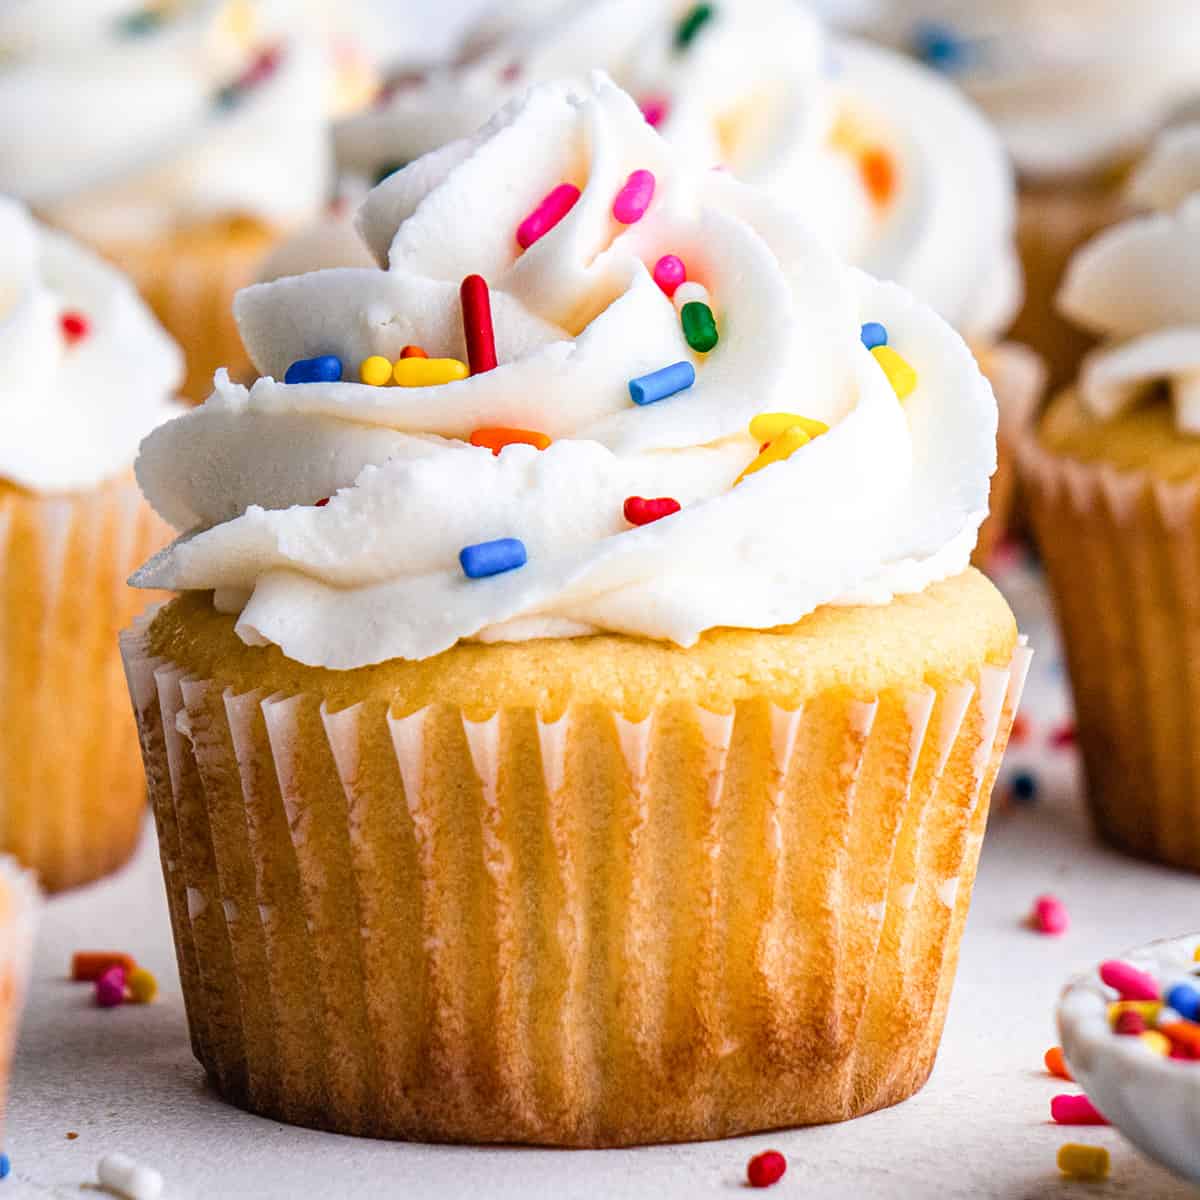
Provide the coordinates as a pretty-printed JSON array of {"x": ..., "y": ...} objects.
[
  {"x": 88, "y": 965},
  {"x": 1057, "y": 1065},
  {"x": 495, "y": 438},
  {"x": 1185, "y": 1034},
  {"x": 879, "y": 175},
  {"x": 413, "y": 352}
]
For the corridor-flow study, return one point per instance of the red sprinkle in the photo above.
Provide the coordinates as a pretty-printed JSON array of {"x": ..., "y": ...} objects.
[
  {"x": 1020, "y": 730},
  {"x": 639, "y": 511},
  {"x": 322, "y": 502},
  {"x": 1050, "y": 915},
  {"x": 75, "y": 326},
  {"x": 1075, "y": 1110},
  {"x": 1130, "y": 1023},
  {"x": 766, "y": 1168},
  {"x": 413, "y": 352},
  {"x": 477, "y": 324},
  {"x": 1063, "y": 736}
]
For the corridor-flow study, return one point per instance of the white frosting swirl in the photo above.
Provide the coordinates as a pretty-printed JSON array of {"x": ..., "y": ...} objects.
[
  {"x": 118, "y": 131},
  {"x": 1072, "y": 85},
  {"x": 74, "y": 410},
  {"x": 761, "y": 91},
  {"x": 887, "y": 501},
  {"x": 1138, "y": 286}
]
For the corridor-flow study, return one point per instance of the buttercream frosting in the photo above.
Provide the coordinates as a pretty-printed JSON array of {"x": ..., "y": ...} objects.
[
  {"x": 1137, "y": 286},
  {"x": 1074, "y": 86},
  {"x": 117, "y": 123},
  {"x": 75, "y": 403},
  {"x": 885, "y": 502}
]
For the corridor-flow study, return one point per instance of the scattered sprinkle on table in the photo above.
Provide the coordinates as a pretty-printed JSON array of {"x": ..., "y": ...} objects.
[
  {"x": 553, "y": 207},
  {"x": 324, "y": 368},
  {"x": 477, "y": 324},
  {"x": 940, "y": 46},
  {"x": 110, "y": 988},
  {"x": 5, "y": 1166},
  {"x": 141, "y": 986},
  {"x": 658, "y": 385},
  {"x": 71, "y": 1135},
  {"x": 119, "y": 1173},
  {"x": 492, "y": 558},
  {"x": 1083, "y": 1162},
  {"x": 1050, "y": 916},
  {"x": 1056, "y": 1064},
  {"x": 640, "y": 511},
  {"x": 88, "y": 965},
  {"x": 1024, "y": 787},
  {"x": 1075, "y": 1110},
  {"x": 766, "y": 1169}
]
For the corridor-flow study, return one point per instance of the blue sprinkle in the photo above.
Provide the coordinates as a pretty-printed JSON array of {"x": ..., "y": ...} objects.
[
  {"x": 1185, "y": 1000},
  {"x": 1024, "y": 787},
  {"x": 666, "y": 381},
  {"x": 492, "y": 558},
  {"x": 941, "y": 47},
  {"x": 5, "y": 1166},
  {"x": 325, "y": 368},
  {"x": 874, "y": 334}
]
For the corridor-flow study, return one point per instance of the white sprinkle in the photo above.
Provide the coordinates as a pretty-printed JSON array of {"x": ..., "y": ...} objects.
[
  {"x": 685, "y": 293},
  {"x": 120, "y": 1174}
]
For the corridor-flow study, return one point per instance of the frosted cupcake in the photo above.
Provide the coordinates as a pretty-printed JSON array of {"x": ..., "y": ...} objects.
[
  {"x": 180, "y": 141},
  {"x": 19, "y": 905},
  {"x": 882, "y": 157},
  {"x": 569, "y": 721},
  {"x": 1076, "y": 89},
  {"x": 1114, "y": 472},
  {"x": 86, "y": 374}
]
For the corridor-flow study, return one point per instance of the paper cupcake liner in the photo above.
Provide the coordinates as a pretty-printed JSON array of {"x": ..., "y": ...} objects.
[
  {"x": 1053, "y": 222},
  {"x": 72, "y": 799},
  {"x": 1122, "y": 553},
  {"x": 1018, "y": 378},
  {"x": 189, "y": 279},
  {"x": 19, "y": 904},
  {"x": 585, "y": 932}
]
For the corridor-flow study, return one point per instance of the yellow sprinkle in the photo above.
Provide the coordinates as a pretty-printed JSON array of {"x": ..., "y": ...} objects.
[
  {"x": 900, "y": 375},
  {"x": 1158, "y": 1042},
  {"x": 1148, "y": 1009},
  {"x": 376, "y": 370},
  {"x": 1196, "y": 954},
  {"x": 143, "y": 987},
  {"x": 766, "y": 427},
  {"x": 784, "y": 446},
  {"x": 1083, "y": 1162},
  {"x": 427, "y": 372}
]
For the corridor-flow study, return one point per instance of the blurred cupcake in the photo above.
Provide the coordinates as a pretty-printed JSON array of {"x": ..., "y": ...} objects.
[
  {"x": 570, "y": 740},
  {"x": 179, "y": 140},
  {"x": 87, "y": 373},
  {"x": 882, "y": 157},
  {"x": 19, "y": 904},
  {"x": 1076, "y": 89},
  {"x": 1114, "y": 476}
]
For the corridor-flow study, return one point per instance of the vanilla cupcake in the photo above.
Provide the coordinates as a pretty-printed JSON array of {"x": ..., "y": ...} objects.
[
  {"x": 86, "y": 374},
  {"x": 1114, "y": 476},
  {"x": 884, "y": 159},
  {"x": 1076, "y": 89},
  {"x": 181, "y": 141},
  {"x": 536, "y": 757}
]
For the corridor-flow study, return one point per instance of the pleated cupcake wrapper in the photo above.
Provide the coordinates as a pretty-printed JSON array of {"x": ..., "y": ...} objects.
[
  {"x": 1122, "y": 552},
  {"x": 1018, "y": 377},
  {"x": 19, "y": 910},
  {"x": 190, "y": 280},
  {"x": 72, "y": 797},
  {"x": 588, "y": 931}
]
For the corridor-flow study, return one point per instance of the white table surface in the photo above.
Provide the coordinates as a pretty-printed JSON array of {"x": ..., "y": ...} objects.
[{"x": 124, "y": 1079}]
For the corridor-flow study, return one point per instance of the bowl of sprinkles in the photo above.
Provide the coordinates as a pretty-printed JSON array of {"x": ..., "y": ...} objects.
[{"x": 1130, "y": 1032}]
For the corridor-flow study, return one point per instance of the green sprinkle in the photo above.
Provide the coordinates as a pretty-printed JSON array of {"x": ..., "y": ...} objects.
[
  {"x": 136, "y": 24},
  {"x": 389, "y": 168},
  {"x": 699, "y": 326},
  {"x": 693, "y": 21}
]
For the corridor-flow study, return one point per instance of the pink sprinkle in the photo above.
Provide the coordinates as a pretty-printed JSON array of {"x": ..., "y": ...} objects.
[
  {"x": 654, "y": 109},
  {"x": 634, "y": 197},
  {"x": 1131, "y": 983},
  {"x": 1050, "y": 915},
  {"x": 1075, "y": 1110},
  {"x": 669, "y": 273},
  {"x": 557, "y": 203},
  {"x": 110, "y": 988}
]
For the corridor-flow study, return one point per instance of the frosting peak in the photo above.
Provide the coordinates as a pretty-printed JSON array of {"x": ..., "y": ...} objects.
[{"x": 886, "y": 501}]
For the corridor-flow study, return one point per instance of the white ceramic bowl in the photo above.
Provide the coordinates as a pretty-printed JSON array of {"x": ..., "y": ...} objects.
[{"x": 1153, "y": 1100}]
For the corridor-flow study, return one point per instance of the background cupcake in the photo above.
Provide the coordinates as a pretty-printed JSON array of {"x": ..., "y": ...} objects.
[
  {"x": 86, "y": 374},
  {"x": 180, "y": 141},
  {"x": 616, "y": 732},
  {"x": 1114, "y": 471},
  {"x": 19, "y": 905},
  {"x": 1076, "y": 89}
]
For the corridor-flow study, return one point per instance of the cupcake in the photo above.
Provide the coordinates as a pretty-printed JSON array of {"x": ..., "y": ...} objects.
[
  {"x": 87, "y": 374},
  {"x": 1076, "y": 90},
  {"x": 1113, "y": 470},
  {"x": 19, "y": 904},
  {"x": 584, "y": 750},
  {"x": 854, "y": 137},
  {"x": 180, "y": 141}
]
